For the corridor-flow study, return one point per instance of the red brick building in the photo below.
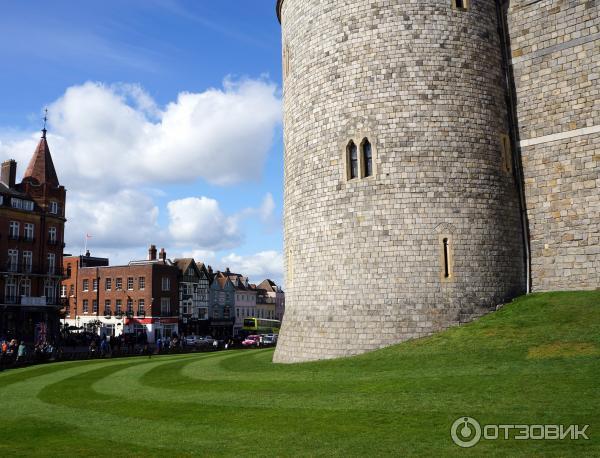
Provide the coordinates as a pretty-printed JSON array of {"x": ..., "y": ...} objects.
[
  {"x": 141, "y": 297},
  {"x": 31, "y": 247}
]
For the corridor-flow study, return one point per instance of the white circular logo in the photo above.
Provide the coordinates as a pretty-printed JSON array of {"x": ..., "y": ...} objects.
[{"x": 466, "y": 432}]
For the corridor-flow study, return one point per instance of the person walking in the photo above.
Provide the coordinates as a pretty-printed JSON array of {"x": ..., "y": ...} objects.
[{"x": 21, "y": 352}]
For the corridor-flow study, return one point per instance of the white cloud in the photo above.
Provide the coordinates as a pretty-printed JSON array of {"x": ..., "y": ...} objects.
[
  {"x": 114, "y": 148},
  {"x": 127, "y": 218},
  {"x": 265, "y": 264},
  {"x": 104, "y": 137},
  {"x": 199, "y": 221},
  {"x": 267, "y": 208}
]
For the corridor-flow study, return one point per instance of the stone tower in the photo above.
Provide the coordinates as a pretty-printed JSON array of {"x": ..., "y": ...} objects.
[
  {"x": 555, "y": 57},
  {"x": 402, "y": 211}
]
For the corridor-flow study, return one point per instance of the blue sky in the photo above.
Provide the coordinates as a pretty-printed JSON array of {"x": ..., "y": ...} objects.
[{"x": 164, "y": 123}]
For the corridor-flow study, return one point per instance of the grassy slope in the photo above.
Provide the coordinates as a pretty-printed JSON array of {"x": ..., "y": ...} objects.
[{"x": 535, "y": 361}]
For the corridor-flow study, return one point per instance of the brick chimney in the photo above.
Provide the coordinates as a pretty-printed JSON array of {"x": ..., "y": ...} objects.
[
  {"x": 163, "y": 255},
  {"x": 9, "y": 173},
  {"x": 152, "y": 253}
]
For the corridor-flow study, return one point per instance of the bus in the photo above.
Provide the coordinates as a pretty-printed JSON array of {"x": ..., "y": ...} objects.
[{"x": 261, "y": 326}]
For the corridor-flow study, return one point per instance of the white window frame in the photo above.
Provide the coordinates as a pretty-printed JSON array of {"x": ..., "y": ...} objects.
[
  {"x": 13, "y": 260},
  {"x": 49, "y": 291},
  {"x": 28, "y": 231},
  {"x": 10, "y": 289},
  {"x": 166, "y": 284},
  {"x": 52, "y": 234},
  {"x": 25, "y": 287},
  {"x": 165, "y": 306},
  {"x": 54, "y": 207},
  {"x": 13, "y": 229},
  {"x": 28, "y": 261},
  {"x": 51, "y": 258}
]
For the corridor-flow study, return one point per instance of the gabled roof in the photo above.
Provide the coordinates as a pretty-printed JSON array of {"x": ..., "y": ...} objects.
[
  {"x": 184, "y": 264},
  {"x": 268, "y": 285},
  {"x": 41, "y": 168}
]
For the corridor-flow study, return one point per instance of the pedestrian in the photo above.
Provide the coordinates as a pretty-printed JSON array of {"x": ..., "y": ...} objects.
[{"x": 21, "y": 352}]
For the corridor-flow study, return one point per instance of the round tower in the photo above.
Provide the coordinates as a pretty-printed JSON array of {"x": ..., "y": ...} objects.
[{"x": 401, "y": 211}]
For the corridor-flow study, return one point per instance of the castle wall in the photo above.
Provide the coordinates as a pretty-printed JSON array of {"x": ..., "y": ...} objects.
[
  {"x": 555, "y": 48},
  {"x": 364, "y": 257}
]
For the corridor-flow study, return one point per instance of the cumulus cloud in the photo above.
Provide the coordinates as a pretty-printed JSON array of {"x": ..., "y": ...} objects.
[
  {"x": 124, "y": 219},
  {"x": 115, "y": 148},
  {"x": 265, "y": 264},
  {"x": 104, "y": 136},
  {"x": 199, "y": 221}
]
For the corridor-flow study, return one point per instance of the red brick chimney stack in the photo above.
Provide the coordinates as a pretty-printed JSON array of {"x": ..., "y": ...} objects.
[
  {"x": 152, "y": 253},
  {"x": 163, "y": 255},
  {"x": 9, "y": 173}
]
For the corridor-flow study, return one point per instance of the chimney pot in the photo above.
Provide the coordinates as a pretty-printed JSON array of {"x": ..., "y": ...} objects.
[{"x": 163, "y": 255}]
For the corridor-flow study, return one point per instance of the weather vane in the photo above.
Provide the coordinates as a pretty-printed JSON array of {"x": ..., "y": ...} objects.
[{"x": 45, "y": 120}]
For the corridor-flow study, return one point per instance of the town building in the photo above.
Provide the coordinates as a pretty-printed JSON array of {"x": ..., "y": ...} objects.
[
  {"x": 32, "y": 221},
  {"x": 141, "y": 297},
  {"x": 194, "y": 284},
  {"x": 270, "y": 300},
  {"x": 69, "y": 290},
  {"x": 244, "y": 299},
  {"x": 222, "y": 306}
]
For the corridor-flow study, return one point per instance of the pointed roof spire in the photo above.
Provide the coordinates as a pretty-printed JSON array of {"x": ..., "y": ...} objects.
[
  {"x": 45, "y": 120},
  {"x": 41, "y": 168}
]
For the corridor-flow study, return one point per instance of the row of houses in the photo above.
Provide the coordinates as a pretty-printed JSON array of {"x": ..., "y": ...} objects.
[
  {"x": 162, "y": 297},
  {"x": 40, "y": 289}
]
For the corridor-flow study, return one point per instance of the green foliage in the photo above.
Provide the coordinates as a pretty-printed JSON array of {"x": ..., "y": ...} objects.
[{"x": 535, "y": 361}]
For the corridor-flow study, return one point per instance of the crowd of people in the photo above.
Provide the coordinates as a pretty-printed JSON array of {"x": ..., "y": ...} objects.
[
  {"x": 82, "y": 345},
  {"x": 18, "y": 353}
]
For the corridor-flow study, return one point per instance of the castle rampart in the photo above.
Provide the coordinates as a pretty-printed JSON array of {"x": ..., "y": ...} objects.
[{"x": 401, "y": 205}]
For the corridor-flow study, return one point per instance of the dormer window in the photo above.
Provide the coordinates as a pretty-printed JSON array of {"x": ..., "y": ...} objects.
[{"x": 21, "y": 204}]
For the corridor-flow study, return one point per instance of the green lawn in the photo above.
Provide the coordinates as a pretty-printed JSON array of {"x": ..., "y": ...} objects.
[{"x": 536, "y": 361}]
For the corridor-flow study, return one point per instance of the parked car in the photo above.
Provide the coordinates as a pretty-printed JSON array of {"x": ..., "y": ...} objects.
[
  {"x": 192, "y": 340},
  {"x": 205, "y": 341},
  {"x": 269, "y": 339},
  {"x": 251, "y": 341}
]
